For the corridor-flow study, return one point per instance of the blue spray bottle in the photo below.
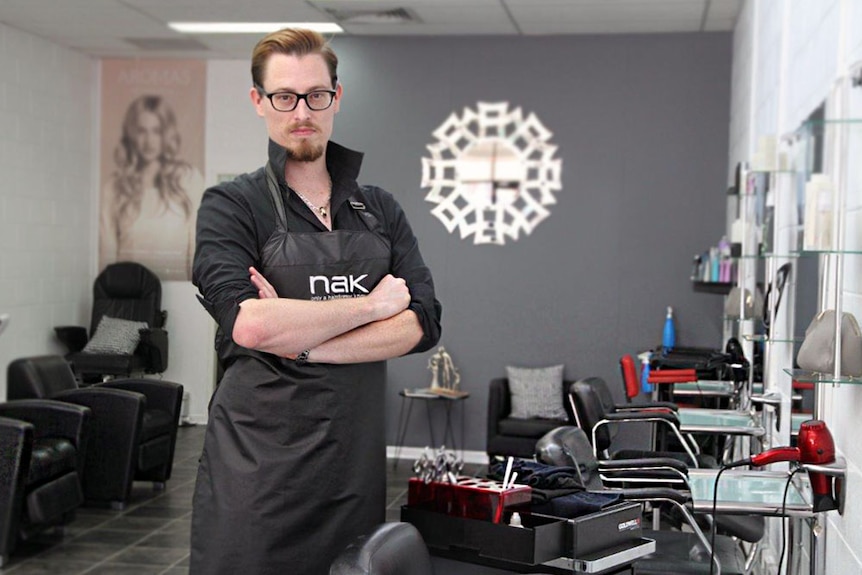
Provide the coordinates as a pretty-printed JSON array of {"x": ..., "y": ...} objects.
[
  {"x": 668, "y": 339},
  {"x": 645, "y": 357}
]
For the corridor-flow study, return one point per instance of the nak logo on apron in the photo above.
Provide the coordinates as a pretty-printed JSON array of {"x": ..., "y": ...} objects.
[{"x": 333, "y": 287}]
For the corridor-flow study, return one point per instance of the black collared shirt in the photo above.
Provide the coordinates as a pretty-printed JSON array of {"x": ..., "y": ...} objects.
[{"x": 236, "y": 218}]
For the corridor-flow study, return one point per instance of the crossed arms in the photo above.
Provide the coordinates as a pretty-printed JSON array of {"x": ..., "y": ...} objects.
[{"x": 351, "y": 330}]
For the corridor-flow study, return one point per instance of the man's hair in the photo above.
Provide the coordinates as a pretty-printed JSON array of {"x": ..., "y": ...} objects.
[{"x": 294, "y": 42}]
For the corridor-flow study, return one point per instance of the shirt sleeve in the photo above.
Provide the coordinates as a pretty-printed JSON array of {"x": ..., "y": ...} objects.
[
  {"x": 407, "y": 263},
  {"x": 226, "y": 246}
]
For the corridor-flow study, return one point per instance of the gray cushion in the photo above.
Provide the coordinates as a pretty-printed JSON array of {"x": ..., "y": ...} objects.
[
  {"x": 116, "y": 336},
  {"x": 536, "y": 392}
]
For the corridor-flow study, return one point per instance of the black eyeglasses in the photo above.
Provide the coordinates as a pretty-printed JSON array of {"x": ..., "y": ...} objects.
[{"x": 316, "y": 100}]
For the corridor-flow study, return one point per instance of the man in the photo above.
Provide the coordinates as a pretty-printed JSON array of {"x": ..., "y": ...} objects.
[{"x": 314, "y": 282}]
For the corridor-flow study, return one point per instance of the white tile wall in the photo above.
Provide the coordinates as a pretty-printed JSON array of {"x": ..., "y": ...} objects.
[
  {"x": 806, "y": 36},
  {"x": 47, "y": 123}
]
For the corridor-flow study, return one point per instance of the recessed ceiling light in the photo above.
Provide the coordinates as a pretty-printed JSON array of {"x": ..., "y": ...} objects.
[{"x": 251, "y": 27}]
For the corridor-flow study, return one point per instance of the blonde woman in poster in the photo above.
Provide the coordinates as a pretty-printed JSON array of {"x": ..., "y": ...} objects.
[{"x": 148, "y": 205}]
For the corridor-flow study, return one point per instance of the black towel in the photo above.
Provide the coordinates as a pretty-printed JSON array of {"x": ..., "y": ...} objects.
[
  {"x": 539, "y": 475},
  {"x": 576, "y": 504}
]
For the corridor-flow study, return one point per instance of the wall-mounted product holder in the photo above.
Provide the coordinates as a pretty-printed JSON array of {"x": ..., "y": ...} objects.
[{"x": 837, "y": 470}]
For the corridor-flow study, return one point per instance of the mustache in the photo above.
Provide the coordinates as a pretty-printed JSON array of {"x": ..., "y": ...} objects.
[{"x": 305, "y": 124}]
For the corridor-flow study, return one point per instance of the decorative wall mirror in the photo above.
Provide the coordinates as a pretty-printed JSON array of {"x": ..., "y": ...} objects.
[{"x": 492, "y": 173}]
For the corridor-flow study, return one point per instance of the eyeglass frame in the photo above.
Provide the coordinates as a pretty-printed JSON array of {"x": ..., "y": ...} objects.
[{"x": 299, "y": 97}]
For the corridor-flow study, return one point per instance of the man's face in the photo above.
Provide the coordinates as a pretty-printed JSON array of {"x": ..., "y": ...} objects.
[{"x": 303, "y": 132}]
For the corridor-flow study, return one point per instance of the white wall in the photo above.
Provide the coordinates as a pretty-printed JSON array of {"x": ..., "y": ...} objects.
[
  {"x": 47, "y": 126},
  {"x": 230, "y": 118},
  {"x": 787, "y": 56}
]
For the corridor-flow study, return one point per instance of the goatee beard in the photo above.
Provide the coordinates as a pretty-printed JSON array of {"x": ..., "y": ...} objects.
[{"x": 304, "y": 152}]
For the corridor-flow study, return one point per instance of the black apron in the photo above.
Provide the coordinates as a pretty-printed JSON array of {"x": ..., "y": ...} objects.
[{"x": 294, "y": 460}]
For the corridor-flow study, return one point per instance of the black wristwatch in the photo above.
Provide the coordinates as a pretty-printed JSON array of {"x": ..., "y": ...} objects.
[{"x": 302, "y": 358}]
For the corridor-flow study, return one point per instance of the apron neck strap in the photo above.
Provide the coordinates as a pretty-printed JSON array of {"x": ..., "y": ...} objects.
[
  {"x": 366, "y": 216},
  {"x": 275, "y": 192}
]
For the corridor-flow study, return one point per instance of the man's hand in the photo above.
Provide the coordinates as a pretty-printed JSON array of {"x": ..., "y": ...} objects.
[
  {"x": 390, "y": 296},
  {"x": 264, "y": 288}
]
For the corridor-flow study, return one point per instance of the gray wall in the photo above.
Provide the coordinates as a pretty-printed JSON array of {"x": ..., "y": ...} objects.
[{"x": 642, "y": 127}]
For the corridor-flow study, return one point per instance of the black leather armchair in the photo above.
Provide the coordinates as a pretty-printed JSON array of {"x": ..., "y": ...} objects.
[
  {"x": 509, "y": 436},
  {"x": 43, "y": 445},
  {"x": 134, "y": 428},
  {"x": 124, "y": 291}
]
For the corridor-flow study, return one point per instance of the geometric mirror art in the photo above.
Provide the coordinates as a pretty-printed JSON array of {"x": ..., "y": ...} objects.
[{"x": 492, "y": 173}]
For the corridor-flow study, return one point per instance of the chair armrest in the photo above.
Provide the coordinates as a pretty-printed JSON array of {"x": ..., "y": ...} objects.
[
  {"x": 154, "y": 346},
  {"x": 658, "y": 471},
  {"x": 668, "y": 417},
  {"x": 654, "y": 494},
  {"x": 16, "y": 445},
  {"x": 644, "y": 463},
  {"x": 52, "y": 418},
  {"x": 160, "y": 394},
  {"x": 650, "y": 405},
  {"x": 118, "y": 418},
  {"x": 499, "y": 405},
  {"x": 74, "y": 337}
]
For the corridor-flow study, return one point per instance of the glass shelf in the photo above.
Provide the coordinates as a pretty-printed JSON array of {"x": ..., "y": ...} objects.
[
  {"x": 793, "y": 254},
  {"x": 857, "y": 251},
  {"x": 806, "y": 376},
  {"x": 758, "y": 321},
  {"x": 759, "y": 337},
  {"x": 777, "y": 172}
]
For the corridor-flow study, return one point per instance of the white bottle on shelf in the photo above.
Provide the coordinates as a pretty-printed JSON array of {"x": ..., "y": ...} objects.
[{"x": 817, "y": 234}]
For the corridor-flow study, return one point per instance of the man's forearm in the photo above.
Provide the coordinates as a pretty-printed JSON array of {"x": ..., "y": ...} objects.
[
  {"x": 375, "y": 341},
  {"x": 285, "y": 327}
]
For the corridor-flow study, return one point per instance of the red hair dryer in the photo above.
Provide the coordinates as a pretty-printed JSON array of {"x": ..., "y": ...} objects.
[{"x": 815, "y": 446}]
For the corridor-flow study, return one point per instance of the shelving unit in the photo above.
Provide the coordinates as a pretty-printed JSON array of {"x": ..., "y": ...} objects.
[{"x": 784, "y": 239}]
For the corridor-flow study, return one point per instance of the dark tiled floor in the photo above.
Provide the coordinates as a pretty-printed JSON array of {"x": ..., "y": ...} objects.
[{"x": 151, "y": 535}]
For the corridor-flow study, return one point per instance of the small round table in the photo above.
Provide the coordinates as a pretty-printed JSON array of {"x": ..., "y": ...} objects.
[{"x": 448, "y": 399}]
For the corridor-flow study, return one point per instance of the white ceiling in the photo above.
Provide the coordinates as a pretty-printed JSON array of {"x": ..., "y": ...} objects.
[{"x": 138, "y": 28}]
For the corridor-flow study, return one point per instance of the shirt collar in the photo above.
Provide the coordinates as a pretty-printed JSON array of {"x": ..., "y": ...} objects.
[{"x": 343, "y": 165}]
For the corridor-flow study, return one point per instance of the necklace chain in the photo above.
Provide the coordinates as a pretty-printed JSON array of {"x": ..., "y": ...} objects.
[{"x": 322, "y": 210}]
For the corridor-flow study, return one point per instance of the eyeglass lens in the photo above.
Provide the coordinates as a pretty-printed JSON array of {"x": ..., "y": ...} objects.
[{"x": 287, "y": 101}]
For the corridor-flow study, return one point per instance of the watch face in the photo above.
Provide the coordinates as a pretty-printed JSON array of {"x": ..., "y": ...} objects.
[{"x": 492, "y": 173}]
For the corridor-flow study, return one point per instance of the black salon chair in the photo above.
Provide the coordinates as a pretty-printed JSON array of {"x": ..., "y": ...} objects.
[
  {"x": 127, "y": 328},
  {"x": 43, "y": 445},
  {"x": 134, "y": 428},
  {"x": 600, "y": 417},
  {"x": 677, "y": 552},
  {"x": 516, "y": 437},
  {"x": 390, "y": 549}
]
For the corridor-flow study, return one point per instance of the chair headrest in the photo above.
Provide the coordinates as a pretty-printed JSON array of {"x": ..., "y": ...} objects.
[
  {"x": 127, "y": 290},
  {"x": 126, "y": 280}
]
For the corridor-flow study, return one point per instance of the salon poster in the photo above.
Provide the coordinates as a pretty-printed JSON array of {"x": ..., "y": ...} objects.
[{"x": 151, "y": 163}]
